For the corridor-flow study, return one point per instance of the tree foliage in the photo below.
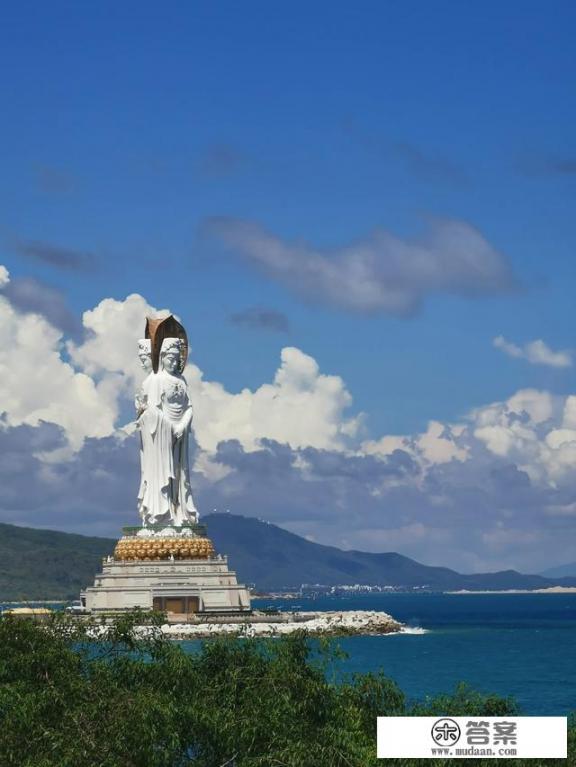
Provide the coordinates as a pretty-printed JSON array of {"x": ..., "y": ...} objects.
[{"x": 69, "y": 699}]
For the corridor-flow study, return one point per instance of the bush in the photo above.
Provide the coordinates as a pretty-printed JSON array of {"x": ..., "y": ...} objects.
[{"x": 68, "y": 700}]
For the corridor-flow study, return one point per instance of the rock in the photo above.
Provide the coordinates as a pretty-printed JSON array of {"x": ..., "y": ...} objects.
[{"x": 327, "y": 624}]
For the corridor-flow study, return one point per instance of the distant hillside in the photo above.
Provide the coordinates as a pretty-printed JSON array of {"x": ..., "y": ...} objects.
[
  {"x": 561, "y": 571},
  {"x": 273, "y": 558},
  {"x": 44, "y": 564}
]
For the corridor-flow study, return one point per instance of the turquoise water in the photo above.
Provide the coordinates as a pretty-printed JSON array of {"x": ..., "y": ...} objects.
[{"x": 523, "y": 645}]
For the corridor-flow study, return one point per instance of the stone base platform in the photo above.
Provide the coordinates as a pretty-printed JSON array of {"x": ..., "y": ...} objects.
[
  {"x": 173, "y": 570},
  {"x": 182, "y": 587}
]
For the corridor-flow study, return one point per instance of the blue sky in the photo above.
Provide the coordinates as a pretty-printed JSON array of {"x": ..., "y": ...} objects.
[{"x": 126, "y": 127}]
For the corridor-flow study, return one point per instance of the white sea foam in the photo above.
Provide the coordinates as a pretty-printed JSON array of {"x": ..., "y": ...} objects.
[{"x": 414, "y": 630}]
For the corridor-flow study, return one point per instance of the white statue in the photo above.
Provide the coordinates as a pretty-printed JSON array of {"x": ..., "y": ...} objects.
[
  {"x": 140, "y": 401},
  {"x": 164, "y": 415},
  {"x": 145, "y": 357}
]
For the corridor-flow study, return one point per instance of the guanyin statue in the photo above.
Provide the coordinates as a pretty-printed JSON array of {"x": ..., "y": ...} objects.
[{"x": 164, "y": 415}]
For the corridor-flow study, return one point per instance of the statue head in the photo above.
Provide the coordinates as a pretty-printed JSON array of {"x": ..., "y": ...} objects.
[
  {"x": 145, "y": 354},
  {"x": 171, "y": 355}
]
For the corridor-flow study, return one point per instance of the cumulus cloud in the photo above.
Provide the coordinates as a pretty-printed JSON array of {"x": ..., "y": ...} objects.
[
  {"x": 300, "y": 407},
  {"x": 380, "y": 273},
  {"x": 495, "y": 490},
  {"x": 261, "y": 318},
  {"x": 79, "y": 386},
  {"x": 37, "y": 384},
  {"x": 536, "y": 352},
  {"x": 84, "y": 394},
  {"x": 29, "y": 295},
  {"x": 112, "y": 331},
  {"x": 438, "y": 444},
  {"x": 90, "y": 492}
]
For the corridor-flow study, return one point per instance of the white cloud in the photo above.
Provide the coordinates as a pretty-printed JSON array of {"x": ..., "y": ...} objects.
[
  {"x": 113, "y": 328},
  {"x": 4, "y": 276},
  {"x": 380, "y": 273},
  {"x": 559, "y": 437},
  {"x": 438, "y": 444},
  {"x": 533, "y": 429},
  {"x": 439, "y": 485},
  {"x": 538, "y": 405},
  {"x": 530, "y": 429},
  {"x": 386, "y": 445},
  {"x": 569, "y": 415},
  {"x": 300, "y": 407},
  {"x": 536, "y": 352},
  {"x": 36, "y": 384}
]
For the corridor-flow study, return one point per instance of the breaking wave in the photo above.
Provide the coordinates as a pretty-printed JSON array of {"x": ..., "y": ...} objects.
[{"x": 414, "y": 630}]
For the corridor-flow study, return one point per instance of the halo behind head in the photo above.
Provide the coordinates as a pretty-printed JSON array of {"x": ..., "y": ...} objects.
[{"x": 166, "y": 327}]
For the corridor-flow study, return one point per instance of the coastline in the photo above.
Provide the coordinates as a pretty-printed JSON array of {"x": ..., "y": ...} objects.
[
  {"x": 549, "y": 590},
  {"x": 333, "y": 623}
]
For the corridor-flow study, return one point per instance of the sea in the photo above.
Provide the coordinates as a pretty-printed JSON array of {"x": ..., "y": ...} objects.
[
  {"x": 516, "y": 645},
  {"x": 519, "y": 645}
]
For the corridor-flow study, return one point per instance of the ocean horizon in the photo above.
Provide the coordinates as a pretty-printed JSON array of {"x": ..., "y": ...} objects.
[{"x": 518, "y": 645}]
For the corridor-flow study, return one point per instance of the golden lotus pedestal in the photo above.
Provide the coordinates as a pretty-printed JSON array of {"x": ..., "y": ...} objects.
[{"x": 175, "y": 570}]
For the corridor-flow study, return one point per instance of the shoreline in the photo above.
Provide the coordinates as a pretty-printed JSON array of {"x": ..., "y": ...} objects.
[
  {"x": 425, "y": 592},
  {"x": 549, "y": 590},
  {"x": 330, "y": 623},
  {"x": 290, "y": 596}
]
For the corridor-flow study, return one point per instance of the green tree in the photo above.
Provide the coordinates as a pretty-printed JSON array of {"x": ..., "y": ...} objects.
[{"x": 90, "y": 695}]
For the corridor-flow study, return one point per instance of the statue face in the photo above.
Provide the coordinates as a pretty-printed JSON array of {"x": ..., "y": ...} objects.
[
  {"x": 145, "y": 354},
  {"x": 171, "y": 360},
  {"x": 145, "y": 360}
]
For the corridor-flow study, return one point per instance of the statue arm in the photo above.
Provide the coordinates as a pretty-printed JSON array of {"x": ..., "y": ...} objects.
[
  {"x": 187, "y": 417},
  {"x": 184, "y": 423},
  {"x": 140, "y": 403}
]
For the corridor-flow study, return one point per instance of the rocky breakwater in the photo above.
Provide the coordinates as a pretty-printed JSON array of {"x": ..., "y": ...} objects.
[{"x": 352, "y": 622}]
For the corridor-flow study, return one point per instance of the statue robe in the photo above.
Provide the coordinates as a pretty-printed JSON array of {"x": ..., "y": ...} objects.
[{"x": 165, "y": 495}]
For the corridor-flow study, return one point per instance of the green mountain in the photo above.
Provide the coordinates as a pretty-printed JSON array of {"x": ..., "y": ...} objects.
[
  {"x": 273, "y": 558},
  {"x": 561, "y": 571},
  {"x": 44, "y": 564}
]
